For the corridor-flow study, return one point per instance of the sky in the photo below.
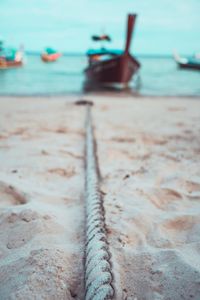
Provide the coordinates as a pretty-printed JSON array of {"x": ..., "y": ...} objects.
[{"x": 162, "y": 25}]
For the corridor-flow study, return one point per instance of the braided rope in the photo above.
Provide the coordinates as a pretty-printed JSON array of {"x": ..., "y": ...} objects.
[{"x": 98, "y": 276}]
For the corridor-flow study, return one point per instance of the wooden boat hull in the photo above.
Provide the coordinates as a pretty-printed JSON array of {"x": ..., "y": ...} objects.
[
  {"x": 109, "y": 67},
  {"x": 189, "y": 66},
  {"x": 186, "y": 63},
  {"x": 119, "y": 69},
  {"x": 50, "y": 57},
  {"x": 5, "y": 64}
]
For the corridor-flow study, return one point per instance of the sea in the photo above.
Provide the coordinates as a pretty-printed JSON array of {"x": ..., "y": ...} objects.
[{"x": 158, "y": 76}]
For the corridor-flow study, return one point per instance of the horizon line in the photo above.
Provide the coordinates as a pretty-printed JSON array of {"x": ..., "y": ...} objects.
[{"x": 74, "y": 53}]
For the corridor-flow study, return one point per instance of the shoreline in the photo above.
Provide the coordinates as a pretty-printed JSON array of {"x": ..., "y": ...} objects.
[{"x": 111, "y": 95}]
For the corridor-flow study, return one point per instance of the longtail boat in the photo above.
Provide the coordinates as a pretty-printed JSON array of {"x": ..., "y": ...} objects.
[
  {"x": 50, "y": 55},
  {"x": 187, "y": 63},
  {"x": 4, "y": 64},
  {"x": 10, "y": 58},
  {"x": 112, "y": 66}
]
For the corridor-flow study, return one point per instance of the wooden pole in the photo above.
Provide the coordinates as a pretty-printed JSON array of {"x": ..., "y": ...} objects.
[{"x": 130, "y": 27}]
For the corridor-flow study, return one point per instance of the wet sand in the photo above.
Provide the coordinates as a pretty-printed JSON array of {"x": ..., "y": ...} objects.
[{"x": 148, "y": 151}]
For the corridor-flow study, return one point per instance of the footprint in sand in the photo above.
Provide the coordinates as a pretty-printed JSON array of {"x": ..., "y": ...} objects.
[
  {"x": 176, "y": 108},
  {"x": 192, "y": 186},
  {"x": 149, "y": 139},
  {"x": 62, "y": 130},
  {"x": 69, "y": 153},
  {"x": 22, "y": 227},
  {"x": 123, "y": 140},
  {"x": 163, "y": 198},
  {"x": 44, "y": 152},
  {"x": 41, "y": 274},
  {"x": 104, "y": 108},
  {"x": 19, "y": 131},
  {"x": 180, "y": 124},
  {"x": 9, "y": 195},
  {"x": 181, "y": 229},
  {"x": 3, "y": 137},
  {"x": 181, "y": 223},
  {"x": 70, "y": 172}
]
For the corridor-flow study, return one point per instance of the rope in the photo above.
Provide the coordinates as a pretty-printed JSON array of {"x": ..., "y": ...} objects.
[{"x": 98, "y": 276}]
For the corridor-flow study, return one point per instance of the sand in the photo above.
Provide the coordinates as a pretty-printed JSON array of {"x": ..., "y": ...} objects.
[
  {"x": 148, "y": 152},
  {"x": 41, "y": 199}
]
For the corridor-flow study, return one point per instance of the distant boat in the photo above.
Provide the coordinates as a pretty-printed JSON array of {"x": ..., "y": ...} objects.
[
  {"x": 197, "y": 55},
  {"x": 187, "y": 63},
  {"x": 10, "y": 58},
  {"x": 112, "y": 66},
  {"x": 50, "y": 55}
]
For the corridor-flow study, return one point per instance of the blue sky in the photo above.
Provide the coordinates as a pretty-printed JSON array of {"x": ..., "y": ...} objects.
[{"x": 67, "y": 25}]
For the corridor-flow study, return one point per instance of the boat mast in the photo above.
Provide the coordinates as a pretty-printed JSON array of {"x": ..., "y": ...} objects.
[{"x": 130, "y": 26}]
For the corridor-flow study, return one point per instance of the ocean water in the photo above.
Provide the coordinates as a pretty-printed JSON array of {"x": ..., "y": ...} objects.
[{"x": 157, "y": 76}]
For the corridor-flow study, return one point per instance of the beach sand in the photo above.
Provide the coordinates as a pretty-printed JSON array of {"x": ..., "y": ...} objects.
[
  {"x": 148, "y": 152},
  {"x": 41, "y": 199}
]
